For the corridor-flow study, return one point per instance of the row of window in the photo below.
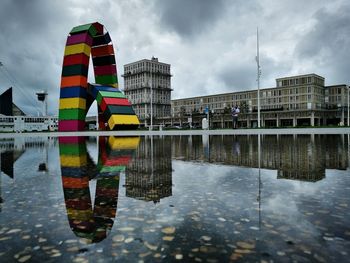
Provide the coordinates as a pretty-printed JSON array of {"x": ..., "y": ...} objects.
[
  {"x": 335, "y": 99},
  {"x": 251, "y": 95},
  {"x": 25, "y": 119},
  {"x": 334, "y": 91},
  {"x": 147, "y": 92},
  {"x": 300, "y": 81},
  {"x": 147, "y": 65},
  {"x": 158, "y": 96},
  {"x": 157, "y": 111},
  {"x": 6, "y": 119},
  {"x": 35, "y": 120},
  {"x": 285, "y": 106},
  {"x": 159, "y": 100},
  {"x": 155, "y": 84},
  {"x": 140, "y": 78}
]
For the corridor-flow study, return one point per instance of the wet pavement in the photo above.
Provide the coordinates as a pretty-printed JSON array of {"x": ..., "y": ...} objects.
[{"x": 201, "y": 198}]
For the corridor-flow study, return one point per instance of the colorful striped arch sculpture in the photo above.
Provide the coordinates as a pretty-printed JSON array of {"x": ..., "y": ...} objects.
[{"x": 77, "y": 95}]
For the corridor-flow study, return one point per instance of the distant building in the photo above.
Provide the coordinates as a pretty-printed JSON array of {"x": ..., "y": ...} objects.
[
  {"x": 138, "y": 78},
  {"x": 13, "y": 119},
  {"x": 295, "y": 101},
  {"x": 7, "y": 107}
]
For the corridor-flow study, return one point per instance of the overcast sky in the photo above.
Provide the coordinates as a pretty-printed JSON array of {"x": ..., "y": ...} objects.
[{"x": 210, "y": 44}]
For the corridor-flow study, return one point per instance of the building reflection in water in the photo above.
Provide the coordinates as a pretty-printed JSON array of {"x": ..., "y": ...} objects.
[
  {"x": 11, "y": 149},
  {"x": 7, "y": 160},
  {"x": 296, "y": 157},
  {"x": 149, "y": 178},
  {"x": 92, "y": 223}
]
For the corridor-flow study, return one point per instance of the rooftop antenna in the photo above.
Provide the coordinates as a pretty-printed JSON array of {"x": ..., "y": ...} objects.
[
  {"x": 258, "y": 72},
  {"x": 42, "y": 96}
]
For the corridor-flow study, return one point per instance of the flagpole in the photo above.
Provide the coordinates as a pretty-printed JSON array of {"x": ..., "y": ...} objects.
[
  {"x": 151, "y": 87},
  {"x": 258, "y": 72},
  {"x": 348, "y": 105}
]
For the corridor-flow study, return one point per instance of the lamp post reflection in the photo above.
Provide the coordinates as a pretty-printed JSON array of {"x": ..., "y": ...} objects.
[
  {"x": 0, "y": 184},
  {"x": 259, "y": 176},
  {"x": 206, "y": 146}
]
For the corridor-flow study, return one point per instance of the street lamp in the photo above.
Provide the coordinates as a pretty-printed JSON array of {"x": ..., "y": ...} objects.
[
  {"x": 190, "y": 119},
  {"x": 151, "y": 127},
  {"x": 258, "y": 73},
  {"x": 348, "y": 104},
  {"x": 207, "y": 111}
]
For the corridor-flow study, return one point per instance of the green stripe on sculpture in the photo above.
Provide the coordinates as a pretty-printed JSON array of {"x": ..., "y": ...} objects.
[
  {"x": 110, "y": 169},
  {"x": 109, "y": 182},
  {"x": 104, "y": 94},
  {"x": 72, "y": 149},
  {"x": 83, "y": 28},
  {"x": 106, "y": 79},
  {"x": 72, "y": 114}
]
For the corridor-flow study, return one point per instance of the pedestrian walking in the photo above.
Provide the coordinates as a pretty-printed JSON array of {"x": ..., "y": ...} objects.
[{"x": 235, "y": 112}]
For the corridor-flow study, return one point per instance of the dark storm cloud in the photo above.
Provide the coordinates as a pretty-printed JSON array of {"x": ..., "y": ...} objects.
[
  {"x": 210, "y": 44},
  {"x": 31, "y": 33},
  {"x": 32, "y": 42},
  {"x": 243, "y": 76},
  {"x": 189, "y": 17},
  {"x": 327, "y": 45},
  {"x": 235, "y": 78}
]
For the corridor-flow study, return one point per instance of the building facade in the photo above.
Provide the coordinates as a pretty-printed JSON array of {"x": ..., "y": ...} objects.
[
  {"x": 145, "y": 78},
  {"x": 13, "y": 119},
  {"x": 295, "y": 101},
  {"x": 27, "y": 123}
]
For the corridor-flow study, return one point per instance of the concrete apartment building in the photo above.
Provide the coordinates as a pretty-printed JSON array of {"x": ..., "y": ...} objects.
[
  {"x": 139, "y": 77},
  {"x": 295, "y": 101}
]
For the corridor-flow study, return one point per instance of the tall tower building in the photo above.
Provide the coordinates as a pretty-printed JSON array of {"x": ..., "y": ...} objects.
[{"x": 143, "y": 78}]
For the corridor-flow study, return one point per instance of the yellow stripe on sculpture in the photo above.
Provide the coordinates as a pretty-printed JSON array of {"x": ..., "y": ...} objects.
[
  {"x": 77, "y": 49},
  {"x": 83, "y": 215},
  {"x": 73, "y": 161},
  {"x": 118, "y": 119},
  {"x": 72, "y": 103},
  {"x": 120, "y": 143}
]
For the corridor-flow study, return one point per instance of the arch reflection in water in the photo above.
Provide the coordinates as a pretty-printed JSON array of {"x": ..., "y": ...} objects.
[{"x": 92, "y": 223}]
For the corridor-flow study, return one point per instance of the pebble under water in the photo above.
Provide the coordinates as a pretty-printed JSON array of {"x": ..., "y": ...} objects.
[{"x": 257, "y": 198}]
